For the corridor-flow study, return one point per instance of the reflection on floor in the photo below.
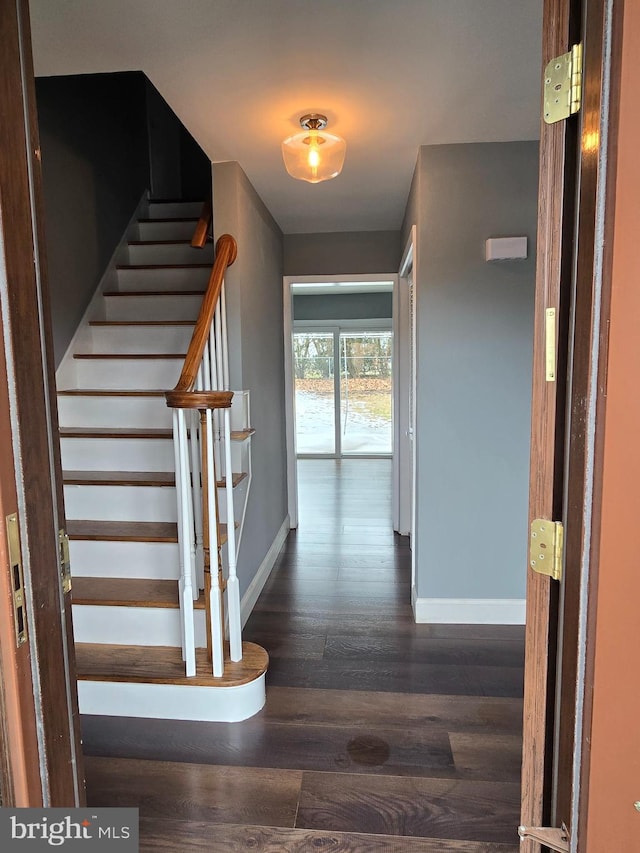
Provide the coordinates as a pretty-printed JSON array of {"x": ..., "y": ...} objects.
[{"x": 378, "y": 734}]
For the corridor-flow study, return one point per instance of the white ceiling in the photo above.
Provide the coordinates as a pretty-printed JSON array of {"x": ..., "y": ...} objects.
[{"x": 390, "y": 74}]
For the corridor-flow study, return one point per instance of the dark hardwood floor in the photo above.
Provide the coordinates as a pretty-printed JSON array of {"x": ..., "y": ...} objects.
[{"x": 378, "y": 734}]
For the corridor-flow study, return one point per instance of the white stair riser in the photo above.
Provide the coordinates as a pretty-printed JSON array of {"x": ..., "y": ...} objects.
[
  {"x": 238, "y": 410},
  {"x": 154, "y": 560},
  {"x": 113, "y": 411},
  {"x": 179, "y": 278},
  {"x": 134, "y": 503},
  {"x": 133, "y": 626},
  {"x": 152, "y": 307},
  {"x": 117, "y": 454},
  {"x": 240, "y": 455},
  {"x": 140, "y": 339},
  {"x": 122, "y": 373},
  {"x": 121, "y": 503},
  {"x": 170, "y": 253},
  {"x": 166, "y": 230},
  {"x": 172, "y": 701},
  {"x": 175, "y": 210},
  {"x": 238, "y": 502}
]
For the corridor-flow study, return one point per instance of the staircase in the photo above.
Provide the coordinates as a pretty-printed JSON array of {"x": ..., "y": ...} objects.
[{"x": 134, "y": 624}]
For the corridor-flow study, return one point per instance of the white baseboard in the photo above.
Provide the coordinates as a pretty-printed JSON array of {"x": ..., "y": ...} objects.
[
  {"x": 468, "y": 611},
  {"x": 172, "y": 701},
  {"x": 262, "y": 575}
]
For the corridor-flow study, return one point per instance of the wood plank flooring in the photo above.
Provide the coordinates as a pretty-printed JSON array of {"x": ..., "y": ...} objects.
[{"x": 378, "y": 734}]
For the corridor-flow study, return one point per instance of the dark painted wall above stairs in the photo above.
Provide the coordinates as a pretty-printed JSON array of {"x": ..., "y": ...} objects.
[{"x": 106, "y": 139}]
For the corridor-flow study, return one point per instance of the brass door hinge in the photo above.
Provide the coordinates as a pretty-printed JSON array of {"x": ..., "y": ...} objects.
[
  {"x": 17, "y": 579},
  {"x": 546, "y": 548},
  {"x": 550, "y": 335},
  {"x": 65, "y": 562},
  {"x": 554, "y": 839},
  {"x": 563, "y": 86}
]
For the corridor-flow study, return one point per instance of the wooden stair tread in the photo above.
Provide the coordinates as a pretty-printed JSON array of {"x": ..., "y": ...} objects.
[
  {"x": 242, "y": 434},
  {"x": 123, "y": 531},
  {"x": 109, "y": 392},
  {"x": 159, "y": 242},
  {"x": 161, "y": 267},
  {"x": 164, "y": 665},
  {"x": 142, "y": 322},
  {"x": 128, "y": 592},
  {"x": 115, "y": 432},
  {"x": 154, "y": 293},
  {"x": 128, "y": 531},
  {"x": 135, "y": 432},
  {"x": 119, "y": 478},
  {"x": 170, "y": 219},
  {"x": 131, "y": 355},
  {"x": 130, "y": 478},
  {"x": 174, "y": 200}
]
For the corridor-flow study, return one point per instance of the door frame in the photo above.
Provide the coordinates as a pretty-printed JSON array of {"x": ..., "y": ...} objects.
[
  {"x": 47, "y": 769},
  {"x": 406, "y": 354},
  {"x": 398, "y": 325},
  {"x": 575, "y": 208}
]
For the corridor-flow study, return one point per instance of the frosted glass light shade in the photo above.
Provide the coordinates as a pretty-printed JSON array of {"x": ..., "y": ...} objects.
[{"x": 314, "y": 155}]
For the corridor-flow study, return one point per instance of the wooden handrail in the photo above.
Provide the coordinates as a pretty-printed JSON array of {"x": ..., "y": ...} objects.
[
  {"x": 201, "y": 234},
  {"x": 199, "y": 399},
  {"x": 226, "y": 253}
]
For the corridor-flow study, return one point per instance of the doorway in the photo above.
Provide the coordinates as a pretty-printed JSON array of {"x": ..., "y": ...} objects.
[{"x": 341, "y": 338}]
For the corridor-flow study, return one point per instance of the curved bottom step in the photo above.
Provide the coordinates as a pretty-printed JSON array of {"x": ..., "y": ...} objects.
[{"x": 142, "y": 681}]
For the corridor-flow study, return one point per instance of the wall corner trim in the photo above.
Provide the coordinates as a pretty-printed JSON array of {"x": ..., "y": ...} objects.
[
  {"x": 264, "y": 570},
  {"x": 468, "y": 611}
]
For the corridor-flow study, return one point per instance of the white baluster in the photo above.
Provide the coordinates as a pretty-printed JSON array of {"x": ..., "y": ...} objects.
[
  {"x": 179, "y": 507},
  {"x": 225, "y": 340},
  {"x": 215, "y": 597},
  {"x": 206, "y": 368},
  {"x": 233, "y": 587},
  {"x": 216, "y": 386},
  {"x": 215, "y": 379},
  {"x": 196, "y": 483},
  {"x": 217, "y": 320},
  {"x": 196, "y": 487},
  {"x": 244, "y": 423},
  {"x": 185, "y": 537},
  {"x": 189, "y": 519}
]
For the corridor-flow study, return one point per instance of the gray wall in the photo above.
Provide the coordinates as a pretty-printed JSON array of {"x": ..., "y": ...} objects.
[
  {"x": 95, "y": 166},
  {"x": 256, "y": 340},
  {"x": 106, "y": 139},
  {"x": 474, "y": 347},
  {"x": 195, "y": 168},
  {"x": 346, "y": 253},
  {"x": 179, "y": 168},
  {"x": 163, "y": 128},
  {"x": 345, "y": 306}
]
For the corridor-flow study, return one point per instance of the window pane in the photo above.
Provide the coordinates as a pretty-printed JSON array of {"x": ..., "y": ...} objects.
[
  {"x": 365, "y": 392},
  {"x": 314, "y": 392}
]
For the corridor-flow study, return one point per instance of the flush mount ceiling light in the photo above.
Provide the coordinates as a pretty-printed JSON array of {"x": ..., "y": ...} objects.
[{"x": 313, "y": 155}]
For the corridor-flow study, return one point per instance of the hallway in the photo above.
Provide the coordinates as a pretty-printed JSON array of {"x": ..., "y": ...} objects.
[{"x": 378, "y": 734}]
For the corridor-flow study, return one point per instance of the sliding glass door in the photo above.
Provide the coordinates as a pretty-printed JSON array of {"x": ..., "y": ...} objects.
[
  {"x": 315, "y": 393},
  {"x": 365, "y": 393},
  {"x": 343, "y": 392}
]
